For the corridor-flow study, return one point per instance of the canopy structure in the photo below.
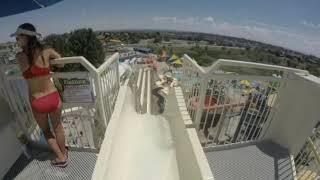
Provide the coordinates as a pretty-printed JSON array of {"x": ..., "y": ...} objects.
[{"x": 11, "y": 7}]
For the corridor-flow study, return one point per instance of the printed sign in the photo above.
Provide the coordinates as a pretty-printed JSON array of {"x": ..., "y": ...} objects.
[{"x": 75, "y": 90}]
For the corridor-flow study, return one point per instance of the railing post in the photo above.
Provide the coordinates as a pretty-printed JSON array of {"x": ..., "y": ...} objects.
[
  {"x": 314, "y": 150},
  {"x": 99, "y": 98},
  {"x": 277, "y": 107},
  {"x": 202, "y": 95},
  {"x": 149, "y": 92},
  {"x": 10, "y": 98},
  {"x": 118, "y": 75}
]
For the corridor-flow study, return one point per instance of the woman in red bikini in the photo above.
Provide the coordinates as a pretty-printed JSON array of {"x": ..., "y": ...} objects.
[{"x": 34, "y": 62}]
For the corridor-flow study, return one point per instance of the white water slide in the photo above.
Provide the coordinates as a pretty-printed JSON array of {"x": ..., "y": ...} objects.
[{"x": 143, "y": 146}]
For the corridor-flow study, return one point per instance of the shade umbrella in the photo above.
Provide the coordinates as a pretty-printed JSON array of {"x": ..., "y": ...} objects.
[
  {"x": 11, "y": 7},
  {"x": 245, "y": 82},
  {"x": 173, "y": 58},
  {"x": 177, "y": 63}
]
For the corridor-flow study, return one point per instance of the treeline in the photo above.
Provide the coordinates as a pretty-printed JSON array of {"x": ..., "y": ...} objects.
[
  {"x": 206, "y": 55},
  {"x": 251, "y": 50},
  {"x": 81, "y": 42},
  {"x": 132, "y": 37},
  {"x": 128, "y": 37}
]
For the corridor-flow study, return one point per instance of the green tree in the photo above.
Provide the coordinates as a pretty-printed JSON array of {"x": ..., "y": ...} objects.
[
  {"x": 81, "y": 42},
  {"x": 166, "y": 38},
  {"x": 84, "y": 42},
  {"x": 157, "y": 39},
  {"x": 170, "y": 50},
  {"x": 60, "y": 43}
]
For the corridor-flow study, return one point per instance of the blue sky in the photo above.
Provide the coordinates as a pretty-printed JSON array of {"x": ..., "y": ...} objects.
[{"x": 294, "y": 24}]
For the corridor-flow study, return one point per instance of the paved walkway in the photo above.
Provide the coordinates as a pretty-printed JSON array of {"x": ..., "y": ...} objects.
[
  {"x": 81, "y": 165},
  {"x": 264, "y": 160}
]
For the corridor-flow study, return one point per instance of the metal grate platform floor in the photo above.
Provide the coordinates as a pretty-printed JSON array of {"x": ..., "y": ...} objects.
[
  {"x": 265, "y": 160},
  {"x": 81, "y": 166}
]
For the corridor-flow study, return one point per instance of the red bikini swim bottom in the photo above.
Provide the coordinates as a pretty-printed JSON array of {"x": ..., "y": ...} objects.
[{"x": 46, "y": 104}]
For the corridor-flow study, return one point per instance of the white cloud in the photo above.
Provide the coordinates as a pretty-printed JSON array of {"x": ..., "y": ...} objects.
[
  {"x": 165, "y": 19},
  {"x": 175, "y": 20},
  {"x": 276, "y": 35},
  {"x": 209, "y": 19},
  {"x": 310, "y": 24}
]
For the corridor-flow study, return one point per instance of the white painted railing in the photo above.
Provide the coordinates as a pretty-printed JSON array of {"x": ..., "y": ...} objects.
[
  {"x": 236, "y": 106},
  {"x": 84, "y": 123},
  {"x": 109, "y": 81},
  {"x": 307, "y": 161}
]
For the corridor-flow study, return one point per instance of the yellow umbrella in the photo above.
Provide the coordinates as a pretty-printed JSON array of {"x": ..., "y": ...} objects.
[
  {"x": 245, "y": 82},
  {"x": 177, "y": 62},
  {"x": 173, "y": 57},
  {"x": 248, "y": 91}
]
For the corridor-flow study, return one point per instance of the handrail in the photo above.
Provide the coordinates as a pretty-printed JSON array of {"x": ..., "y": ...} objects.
[
  {"x": 204, "y": 119},
  {"x": 73, "y": 60},
  {"x": 314, "y": 150},
  {"x": 229, "y": 62},
  {"x": 194, "y": 63},
  {"x": 84, "y": 62},
  {"x": 109, "y": 61}
]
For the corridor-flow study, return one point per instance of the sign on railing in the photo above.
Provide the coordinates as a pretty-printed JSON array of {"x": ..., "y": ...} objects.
[{"x": 75, "y": 90}]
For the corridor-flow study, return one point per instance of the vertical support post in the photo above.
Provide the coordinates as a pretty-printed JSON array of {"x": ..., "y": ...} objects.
[
  {"x": 202, "y": 95},
  {"x": 277, "y": 107},
  {"x": 143, "y": 88},
  {"x": 100, "y": 98},
  {"x": 149, "y": 93},
  {"x": 117, "y": 73},
  {"x": 139, "y": 78}
]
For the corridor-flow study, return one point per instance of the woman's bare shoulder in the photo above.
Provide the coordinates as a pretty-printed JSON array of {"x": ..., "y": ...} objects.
[{"x": 50, "y": 52}]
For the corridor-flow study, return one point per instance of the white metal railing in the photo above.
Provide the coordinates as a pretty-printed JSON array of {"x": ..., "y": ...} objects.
[
  {"x": 191, "y": 82},
  {"x": 307, "y": 161},
  {"x": 229, "y": 107},
  {"x": 84, "y": 123},
  {"x": 109, "y": 82}
]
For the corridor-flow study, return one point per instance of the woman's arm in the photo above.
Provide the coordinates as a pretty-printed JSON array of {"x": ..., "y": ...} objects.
[
  {"x": 22, "y": 61},
  {"x": 54, "y": 55}
]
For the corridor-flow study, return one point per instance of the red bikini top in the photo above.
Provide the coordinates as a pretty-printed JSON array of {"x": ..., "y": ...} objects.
[{"x": 36, "y": 71}]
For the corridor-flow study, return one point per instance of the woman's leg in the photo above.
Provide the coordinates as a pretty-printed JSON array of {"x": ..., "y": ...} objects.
[
  {"x": 55, "y": 117},
  {"x": 42, "y": 120}
]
